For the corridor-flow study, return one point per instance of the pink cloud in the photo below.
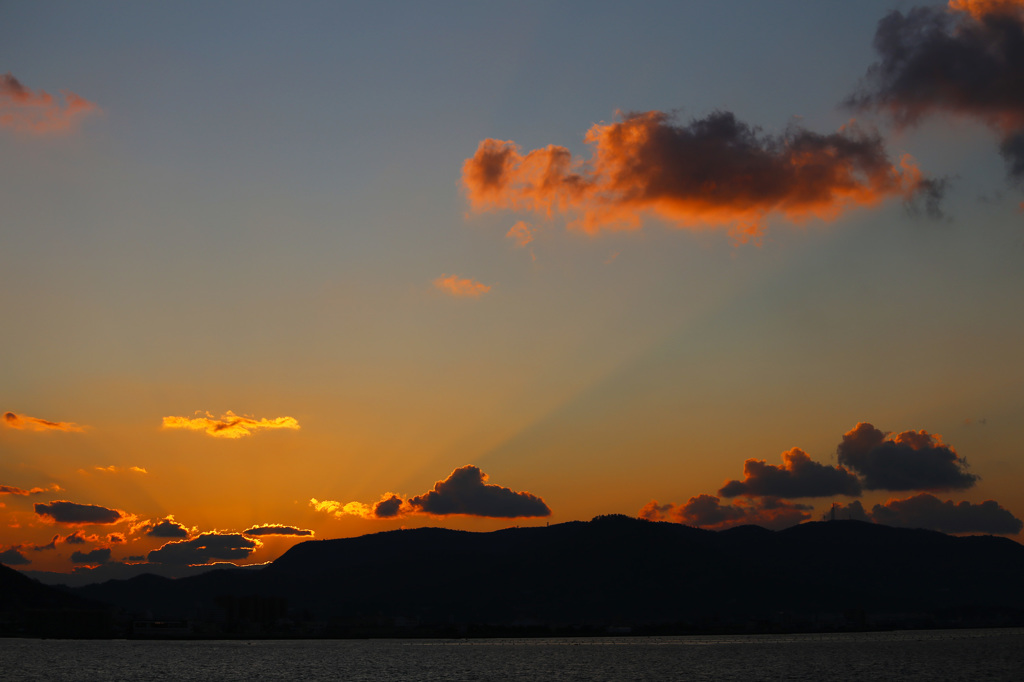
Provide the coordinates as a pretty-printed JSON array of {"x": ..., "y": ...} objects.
[{"x": 39, "y": 112}]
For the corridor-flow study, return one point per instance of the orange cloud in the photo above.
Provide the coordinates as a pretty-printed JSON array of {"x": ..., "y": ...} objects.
[
  {"x": 981, "y": 8},
  {"x": 11, "y": 490},
  {"x": 230, "y": 425},
  {"x": 52, "y": 544},
  {"x": 21, "y": 421},
  {"x": 457, "y": 286},
  {"x": 39, "y": 112},
  {"x": 80, "y": 538},
  {"x": 116, "y": 470},
  {"x": 712, "y": 172},
  {"x": 521, "y": 232},
  {"x": 360, "y": 509}
]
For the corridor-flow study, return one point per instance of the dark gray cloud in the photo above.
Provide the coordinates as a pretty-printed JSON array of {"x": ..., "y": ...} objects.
[
  {"x": 707, "y": 511},
  {"x": 167, "y": 528},
  {"x": 12, "y": 557},
  {"x": 23, "y": 421},
  {"x": 70, "y": 513},
  {"x": 798, "y": 476},
  {"x": 76, "y": 538},
  {"x": 274, "y": 529},
  {"x": 927, "y": 200},
  {"x": 11, "y": 490},
  {"x": 911, "y": 460},
  {"x": 96, "y": 556},
  {"x": 934, "y": 59},
  {"x": 205, "y": 549},
  {"x": 854, "y": 511},
  {"x": 927, "y": 511},
  {"x": 388, "y": 508},
  {"x": 52, "y": 544},
  {"x": 465, "y": 492}
]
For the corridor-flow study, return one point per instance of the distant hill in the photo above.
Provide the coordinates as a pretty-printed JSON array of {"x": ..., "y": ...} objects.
[
  {"x": 30, "y": 609},
  {"x": 84, "y": 575},
  {"x": 614, "y": 571}
]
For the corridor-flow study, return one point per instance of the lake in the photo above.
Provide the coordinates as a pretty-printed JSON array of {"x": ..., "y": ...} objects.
[{"x": 996, "y": 654}]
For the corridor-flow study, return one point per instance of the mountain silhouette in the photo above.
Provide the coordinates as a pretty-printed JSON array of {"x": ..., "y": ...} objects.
[
  {"x": 611, "y": 572},
  {"x": 31, "y": 609}
]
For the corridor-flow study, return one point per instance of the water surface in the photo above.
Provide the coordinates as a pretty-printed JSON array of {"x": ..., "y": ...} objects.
[{"x": 906, "y": 655}]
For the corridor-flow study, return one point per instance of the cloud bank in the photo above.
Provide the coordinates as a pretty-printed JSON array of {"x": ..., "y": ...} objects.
[
  {"x": 870, "y": 459},
  {"x": 929, "y": 512},
  {"x": 229, "y": 425},
  {"x": 39, "y": 112},
  {"x": 714, "y": 171}
]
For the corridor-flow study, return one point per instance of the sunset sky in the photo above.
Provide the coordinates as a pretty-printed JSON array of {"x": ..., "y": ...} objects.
[{"x": 277, "y": 272}]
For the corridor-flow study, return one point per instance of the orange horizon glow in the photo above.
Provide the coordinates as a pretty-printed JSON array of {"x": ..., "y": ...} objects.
[{"x": 705, "y": 247}]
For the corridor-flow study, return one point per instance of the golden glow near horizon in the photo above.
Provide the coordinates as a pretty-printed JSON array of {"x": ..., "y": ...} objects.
[{"x": 481, "y": 285}]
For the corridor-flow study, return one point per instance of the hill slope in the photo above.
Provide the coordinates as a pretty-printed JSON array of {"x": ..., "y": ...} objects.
[{"x": 612, "y": 571}]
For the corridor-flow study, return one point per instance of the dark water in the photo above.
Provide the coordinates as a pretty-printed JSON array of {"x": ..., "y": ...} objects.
[{"x": 914, "y": 655}]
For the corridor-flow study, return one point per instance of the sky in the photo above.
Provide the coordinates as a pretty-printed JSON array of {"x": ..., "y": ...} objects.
[{"x": 278, "y": 273}]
